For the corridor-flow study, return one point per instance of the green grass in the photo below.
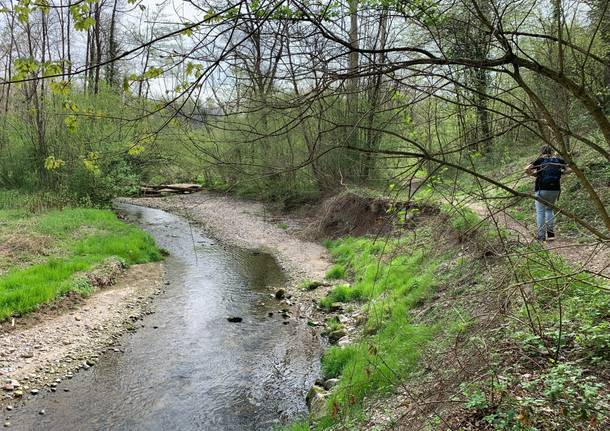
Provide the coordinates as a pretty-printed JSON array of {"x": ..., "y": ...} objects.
[
  {"x": 462, "y": 219},
  {"x": 340, "y": 293},
  {"x": 81, "y": 239},
  {"x": 336, "y": 272},
  {"x": 390, "y": 279}
]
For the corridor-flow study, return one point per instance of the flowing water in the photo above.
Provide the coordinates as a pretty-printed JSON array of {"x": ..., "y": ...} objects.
[{"x": 195, "y": 371}]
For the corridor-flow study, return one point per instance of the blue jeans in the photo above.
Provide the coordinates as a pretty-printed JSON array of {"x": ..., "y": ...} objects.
[{"x": 545, "y": 219}]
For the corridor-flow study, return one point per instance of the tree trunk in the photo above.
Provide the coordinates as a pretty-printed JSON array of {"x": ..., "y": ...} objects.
[
  {"x": 112, "y": 48},
  {"x": 373, "y": 137},
  {"x": 353, "y": 168},
  {"x": 484, "y": 134},
  {"x": 98, "y": 48},
  {"x": 68, "y": 40},
  {"x": 62, "y": 30}
]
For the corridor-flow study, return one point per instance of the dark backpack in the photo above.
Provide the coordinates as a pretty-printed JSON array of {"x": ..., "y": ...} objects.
[{"x": 549, "y": 173}]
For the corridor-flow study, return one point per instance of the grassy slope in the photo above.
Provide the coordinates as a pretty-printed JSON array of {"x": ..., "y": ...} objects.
[
  {"x": 45, "y": 251},
  {"x": 391, "y": 279},
  {"x": 557, "y": 337}
]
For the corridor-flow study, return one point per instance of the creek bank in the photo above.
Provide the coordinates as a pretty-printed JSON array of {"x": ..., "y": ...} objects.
[
  {"x": 77, "y": 338},
  {"x": 44, "y": 348}
]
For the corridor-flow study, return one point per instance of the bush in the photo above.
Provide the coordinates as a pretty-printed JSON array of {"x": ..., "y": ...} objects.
[{"x": 81, "y": 162}]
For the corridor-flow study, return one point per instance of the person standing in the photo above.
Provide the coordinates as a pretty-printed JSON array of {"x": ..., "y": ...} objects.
[{"x": 548, "y": 169}]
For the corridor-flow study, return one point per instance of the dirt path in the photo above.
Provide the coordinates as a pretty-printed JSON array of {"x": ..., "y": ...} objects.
[
  {"x": 248, "y": 224},
  {"x": 45, "y": 347},
  {"x": 588, "y": 257}
]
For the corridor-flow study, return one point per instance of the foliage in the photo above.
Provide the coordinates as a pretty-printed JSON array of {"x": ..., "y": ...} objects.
[
  {"x": 95, "y": 154},
  {"x": 557, "y": 398}
]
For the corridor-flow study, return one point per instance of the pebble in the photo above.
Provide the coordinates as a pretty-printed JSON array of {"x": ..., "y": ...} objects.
[
  {"x": 280, "y": 294},
  {"x": 9, "y": 408},
  {"x": 343, "y": 341},
  {"x": 34, "y": 391},
  {"x": 27, "y": 355},
  {"x": 76, "y": 317},
  {"x": 42, "y": 412},
  {"x": 7, "y": 424}
]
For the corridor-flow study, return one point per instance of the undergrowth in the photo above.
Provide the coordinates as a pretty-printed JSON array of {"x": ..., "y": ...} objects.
[{"x": 552, "y": 372}]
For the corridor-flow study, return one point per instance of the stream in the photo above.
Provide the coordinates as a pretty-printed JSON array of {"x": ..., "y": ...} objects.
[{"x": 189, "y": 368}]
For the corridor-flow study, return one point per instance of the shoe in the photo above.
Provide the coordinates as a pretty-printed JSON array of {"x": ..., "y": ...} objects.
[{"x": 550, "y": 236}]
